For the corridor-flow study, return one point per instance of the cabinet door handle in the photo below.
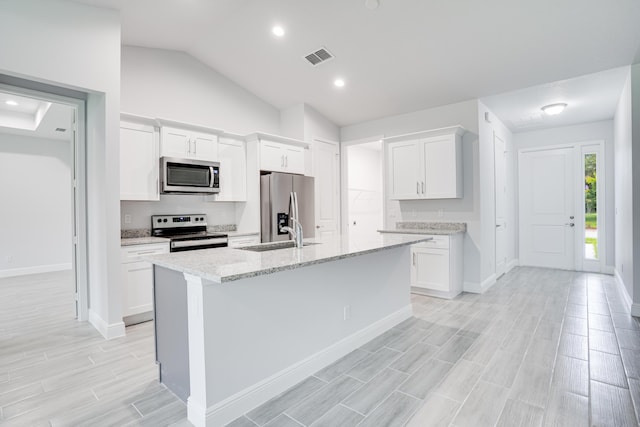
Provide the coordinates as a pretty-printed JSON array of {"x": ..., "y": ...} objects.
[
  {"x": 282, "y": 160},
  {"x": 195, "y": 146},
  {"x": 417, "y": 187},
  {"x": 286, "y": 161},
  {"x": 414, "y": 259},
  {"x": 188, "y": 146},
  {"x": 422, "y": 187}
]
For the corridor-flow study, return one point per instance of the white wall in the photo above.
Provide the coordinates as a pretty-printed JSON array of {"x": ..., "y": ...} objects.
[
  {"x": 174, "y": 85},
  {"x": 35, "y": 214},
  {"x": 218, "y": 213},
  {"x": 292, "y": 122},
  {"x": 623, "y": 189},
  {"x": 76, "y": 46},
  {"x": 487, "y": 190},
  {"x": 466, "y": 209},
  {"x": 596, "y": 131},
  {"x": 364, "y": 187}
]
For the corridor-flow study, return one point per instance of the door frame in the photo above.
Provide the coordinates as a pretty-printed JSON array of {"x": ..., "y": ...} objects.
[
  {"x": 78, "y": 185},
  {"x": 578, "y": 154},
  {"x": 344, "y": 184},
  {"x": 495, "y": 206}
]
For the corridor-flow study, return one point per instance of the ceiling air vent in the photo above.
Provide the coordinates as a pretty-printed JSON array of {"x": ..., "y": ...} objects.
[{"x": 319, "y": 56}]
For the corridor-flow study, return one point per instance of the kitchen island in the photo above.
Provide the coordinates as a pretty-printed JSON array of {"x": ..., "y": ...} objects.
[{"x": 235, "y": 327}]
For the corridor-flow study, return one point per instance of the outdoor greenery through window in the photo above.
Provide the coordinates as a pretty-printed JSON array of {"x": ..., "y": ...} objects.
[{"x": 590, "y": 207}]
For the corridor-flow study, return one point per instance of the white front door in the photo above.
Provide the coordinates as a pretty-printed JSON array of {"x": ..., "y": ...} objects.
[
  {"x": 547, "y": 208},
  {"x": 326, "y": 167},
  {"x": 501, "y": 205}
]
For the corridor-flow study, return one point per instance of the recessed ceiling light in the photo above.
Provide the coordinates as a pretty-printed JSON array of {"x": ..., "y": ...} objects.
[
  {"x": 553, "y": 109},
  {"x": 12, "y": 103},
  {"x": 338, "y": 83},
  {"x": 278, "y": 31},
  {"x": 372, "y": 4}
]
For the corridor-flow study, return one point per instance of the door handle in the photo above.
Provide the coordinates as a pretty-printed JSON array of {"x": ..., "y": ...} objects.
[
  {"x": 286, "y": 161},
  {"x": 417, "y": 187},
  {"x": 282, "y": 160},
  {"x": 422, "y": 187},
  {"x": 570, "y": 224},
  {"x": 188, "y": 146},
  {"x": 414, "y": 259},
  {"x": 571, "y": 217}
]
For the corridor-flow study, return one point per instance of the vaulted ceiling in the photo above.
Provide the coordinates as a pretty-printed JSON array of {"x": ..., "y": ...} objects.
[{"x": 403, "y": 56}]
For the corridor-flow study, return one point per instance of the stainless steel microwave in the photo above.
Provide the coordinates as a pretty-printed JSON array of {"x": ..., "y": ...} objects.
[{"x": 189, "y": 176}]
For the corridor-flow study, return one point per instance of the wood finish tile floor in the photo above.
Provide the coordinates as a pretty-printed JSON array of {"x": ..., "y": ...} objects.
[{"x": 541, "y": 347}]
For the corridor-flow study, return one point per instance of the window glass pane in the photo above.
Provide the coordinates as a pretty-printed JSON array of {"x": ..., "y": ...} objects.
[{"x": 590, "y": 208}]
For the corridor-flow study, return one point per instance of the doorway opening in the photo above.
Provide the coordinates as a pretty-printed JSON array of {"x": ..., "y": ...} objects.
[
  {"x": 592, "y": 212},
  {"x": 363, "y": 204},
  {"x": 42, "y": 153}
]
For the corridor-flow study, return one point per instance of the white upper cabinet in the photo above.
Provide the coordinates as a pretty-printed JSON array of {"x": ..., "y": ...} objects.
[
  {"x": 139, "y": 158},
  {"x": 232, "y": 156},
  {"x": 280, "y": 154},
  {"x": 425, "y": 165},
  {"x": 188, "y": 141}
]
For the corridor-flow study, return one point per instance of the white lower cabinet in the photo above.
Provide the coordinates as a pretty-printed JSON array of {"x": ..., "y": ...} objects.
[
  {"x": 436, "y": 266},
  {"x": 137, "y": 281},
  {"x": 246, "y": 240}
]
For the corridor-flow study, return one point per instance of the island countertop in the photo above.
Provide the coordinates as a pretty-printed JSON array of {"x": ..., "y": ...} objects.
[{"x": 228, "y": 264}]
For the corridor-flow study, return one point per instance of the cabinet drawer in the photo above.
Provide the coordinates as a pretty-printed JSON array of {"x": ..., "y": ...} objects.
[
  {"x": 440, "y": 242},
  {"x": 135, "y": 252}
]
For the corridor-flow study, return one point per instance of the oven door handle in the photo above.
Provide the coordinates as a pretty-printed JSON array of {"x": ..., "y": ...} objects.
[{"x": 199, "y": 242}]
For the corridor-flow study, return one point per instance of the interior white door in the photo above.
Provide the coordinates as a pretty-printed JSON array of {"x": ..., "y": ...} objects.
[
  {"x": 500, "y": 166},
  {"x": 326, "y": 166},
  {"x": 547, "y": 214}
]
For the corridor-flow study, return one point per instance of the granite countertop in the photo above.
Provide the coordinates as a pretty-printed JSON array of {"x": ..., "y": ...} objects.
[
  {"x": 227, "y": 264},
  {"x": 241, "y": 233},
  {"x": 130, "y": 241},
  {"x": 439, "y": 228}
]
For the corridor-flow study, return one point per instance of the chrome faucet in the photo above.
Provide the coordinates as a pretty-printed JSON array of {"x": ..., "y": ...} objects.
[{"x": 296, "y": 231}]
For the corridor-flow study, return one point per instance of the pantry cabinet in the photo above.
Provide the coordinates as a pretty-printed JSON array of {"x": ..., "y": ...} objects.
[
  {"x": 188, "y": 141},
  {"x": 137, "y": 281},
  {"x": 139, "y": 158},
  {"x": 436, "y": 266},
  {"x": 425, "y": 165}
]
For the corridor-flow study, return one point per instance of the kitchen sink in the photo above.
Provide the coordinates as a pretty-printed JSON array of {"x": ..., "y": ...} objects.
[{"x": 275, "y": 246}]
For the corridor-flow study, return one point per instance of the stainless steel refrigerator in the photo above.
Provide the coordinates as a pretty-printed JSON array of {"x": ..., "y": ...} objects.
[{"x": 275, "y": 206}]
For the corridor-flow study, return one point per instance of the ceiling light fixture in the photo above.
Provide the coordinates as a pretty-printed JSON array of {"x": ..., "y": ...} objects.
[
  {"x": 338, "y": 83},
  {"x": 372, "y": 4},
  {"x": 11, "y": 102},
  {"x": 278, "y": 31},
  {"x": 553, "y": 109}
]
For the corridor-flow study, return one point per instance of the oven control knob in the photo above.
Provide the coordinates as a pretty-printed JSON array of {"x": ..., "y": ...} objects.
[
  {"x": 164, "y": 220},
  {"x": 201, "y": 219},
  {"x": 159, "y": 220},
  {"x": 197, "y": 219}
]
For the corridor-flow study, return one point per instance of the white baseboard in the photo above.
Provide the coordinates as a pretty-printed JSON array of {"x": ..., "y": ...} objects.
[
  {"x": 623, "y": 290},
  {"x": 35, "y": 270},
  {"x": 251, "y": 397},
  {"x": 512, "y": 264},
  {"x": 479, "y": 288},
  {"x": 108, "y": 331},
  {"x": 609, "y": 269},
  {"x": 635, "y": 310}
]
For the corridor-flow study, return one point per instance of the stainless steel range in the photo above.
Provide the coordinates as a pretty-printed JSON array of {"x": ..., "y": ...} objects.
[{"x": 187, "y": 232}]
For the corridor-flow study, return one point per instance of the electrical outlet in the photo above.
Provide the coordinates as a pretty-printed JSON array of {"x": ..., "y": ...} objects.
[
  {"x": 347, "y": 312},
  {"x": 127, "y": 219}
]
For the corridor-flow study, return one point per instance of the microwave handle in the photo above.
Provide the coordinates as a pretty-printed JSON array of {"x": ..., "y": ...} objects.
[{"x": 212, "y": 176}]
